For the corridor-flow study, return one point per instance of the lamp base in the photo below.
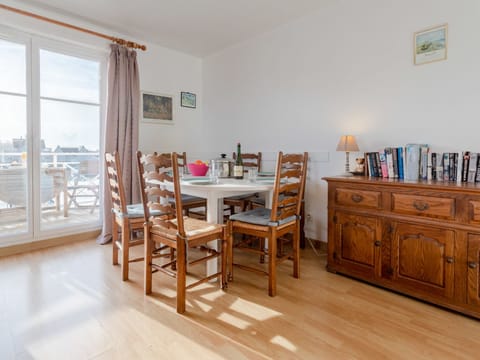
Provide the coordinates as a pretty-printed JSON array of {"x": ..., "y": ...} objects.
[{"x": 346, "y": 174}]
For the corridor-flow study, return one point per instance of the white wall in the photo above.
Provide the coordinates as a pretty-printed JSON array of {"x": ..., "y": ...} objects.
[{"x": 348, "y": 69}]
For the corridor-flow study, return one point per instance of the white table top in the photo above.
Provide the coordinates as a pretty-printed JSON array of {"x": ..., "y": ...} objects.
[{"x": 214, "y": 193}]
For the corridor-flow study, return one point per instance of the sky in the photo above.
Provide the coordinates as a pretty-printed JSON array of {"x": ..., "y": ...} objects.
[{"x": 62, "y": 77}]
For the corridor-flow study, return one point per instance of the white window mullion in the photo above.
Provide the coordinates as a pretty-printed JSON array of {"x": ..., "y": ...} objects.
[{"x": 34, "y": 131}]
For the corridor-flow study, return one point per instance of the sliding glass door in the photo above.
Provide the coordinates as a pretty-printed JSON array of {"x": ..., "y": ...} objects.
[
  {"x": 50, "y": 111},
  {"x": 14, "y": 205}
]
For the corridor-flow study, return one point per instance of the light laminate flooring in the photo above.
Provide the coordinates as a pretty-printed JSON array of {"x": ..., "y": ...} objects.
[{"x": 69, "y": 302}]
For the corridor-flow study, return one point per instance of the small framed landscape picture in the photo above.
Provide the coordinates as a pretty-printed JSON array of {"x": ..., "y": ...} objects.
[
  {"x": 157, "y": 108},
  {"x": 430, "y": 45},
  {"x": 188, "y": 100}
]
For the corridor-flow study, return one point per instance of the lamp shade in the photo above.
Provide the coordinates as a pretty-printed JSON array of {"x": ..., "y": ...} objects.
[{"x": 347, "y": 143}]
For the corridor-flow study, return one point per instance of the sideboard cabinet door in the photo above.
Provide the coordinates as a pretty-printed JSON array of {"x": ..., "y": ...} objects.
[
  {"x": 357, "y": 244},
  {"x": 424, "y": 259}
]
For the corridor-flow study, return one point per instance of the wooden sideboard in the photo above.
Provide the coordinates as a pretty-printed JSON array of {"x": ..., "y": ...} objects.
[{"x": 417, "y": 238}]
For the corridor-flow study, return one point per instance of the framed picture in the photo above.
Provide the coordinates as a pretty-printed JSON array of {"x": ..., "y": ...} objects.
[
  {"x": 188, "y": 100},
  {"x": 156, "y": 108},
  {"x": 430, "y": 45}
]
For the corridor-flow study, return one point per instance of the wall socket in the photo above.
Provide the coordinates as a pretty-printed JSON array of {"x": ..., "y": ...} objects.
[{"x": 309, "y": 218}]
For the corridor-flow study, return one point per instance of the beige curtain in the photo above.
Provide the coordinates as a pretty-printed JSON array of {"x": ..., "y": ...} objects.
[{"x": 121, "y": 126}]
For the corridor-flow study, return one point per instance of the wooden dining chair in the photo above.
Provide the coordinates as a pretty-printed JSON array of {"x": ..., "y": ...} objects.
[
  {"x": 193, "y": 206},
  {"x": 272, "y": 224},
  {"x": 126, "y": 218},
  {"x": 250, "y": 161},
  {"x": 159, "y": 179}
]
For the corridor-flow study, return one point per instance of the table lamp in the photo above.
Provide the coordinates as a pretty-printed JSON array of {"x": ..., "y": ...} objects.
[{"x": 347, "y": 143}]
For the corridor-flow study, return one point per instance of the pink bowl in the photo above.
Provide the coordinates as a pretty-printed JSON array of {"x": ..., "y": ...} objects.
[{"x": 197, "y": 169}]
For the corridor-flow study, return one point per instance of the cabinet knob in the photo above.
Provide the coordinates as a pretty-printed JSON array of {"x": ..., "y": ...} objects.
[
  {"x": 449, "y": 259},
  {"x": 472, "y": 265},
  {"x": 357, "y": 198},
  {"x": 377, "y": 243},
  {"x": 420, "y": 205}
]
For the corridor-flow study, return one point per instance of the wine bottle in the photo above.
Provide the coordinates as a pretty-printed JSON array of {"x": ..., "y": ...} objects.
[{"x": 238, "y": 167}]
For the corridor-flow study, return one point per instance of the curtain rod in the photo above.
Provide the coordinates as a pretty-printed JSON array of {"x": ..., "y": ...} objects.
[{"x": 119, "y": 41}]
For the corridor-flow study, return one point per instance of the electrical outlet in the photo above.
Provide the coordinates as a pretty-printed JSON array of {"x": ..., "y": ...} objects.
[{"x": 309, "y": 217}]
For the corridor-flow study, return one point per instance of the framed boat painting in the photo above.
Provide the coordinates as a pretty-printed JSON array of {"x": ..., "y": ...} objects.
[{"x": 430, "y": 45}]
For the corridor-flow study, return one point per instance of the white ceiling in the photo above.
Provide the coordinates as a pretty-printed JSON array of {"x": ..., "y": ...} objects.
[{"x": 197, "y": 27}]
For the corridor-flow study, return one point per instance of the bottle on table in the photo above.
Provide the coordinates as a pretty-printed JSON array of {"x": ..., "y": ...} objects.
[{"x": 238, "y": 167}]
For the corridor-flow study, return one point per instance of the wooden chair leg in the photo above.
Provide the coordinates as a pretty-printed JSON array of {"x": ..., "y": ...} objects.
[
  {"x": 114, "y": 241},
  {"x": 125, "y": 249},
  {"x": 181, "y": 276},
  {"x": 223, "y": 280},
  {"x": 148, "y": 261},
  {"x": 296, "y": 251},
  {"x": 272, "y": 263},
  {"x": 230, "y": 251}
]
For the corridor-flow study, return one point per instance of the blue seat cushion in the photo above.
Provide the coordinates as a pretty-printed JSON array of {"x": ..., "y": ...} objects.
[
  {"x": 260, "y": 216},
  {"x": 135, "y": 211}
]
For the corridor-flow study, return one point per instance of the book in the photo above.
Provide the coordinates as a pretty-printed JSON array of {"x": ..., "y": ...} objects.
[
  {"x": 400, "y": 162},
  {"x": 378, "y": 169},
  {"x": 455, "y": 166},
  {"x": 472, "y": 167},
  {"x": 477, "y": 175},
  {"x": 434, "y": 166},
  {"x": 465, "y": 165},
  {"x": 389, "y": 157},
  {"x": 424, "y": 161},
  {"x": 383, "y": 164},
  {"x": 395, "y": 162},
  {"x": 446, "y": 166},
  {"x": 453, "y": 162},
  {"x": 412, "y": 161}
]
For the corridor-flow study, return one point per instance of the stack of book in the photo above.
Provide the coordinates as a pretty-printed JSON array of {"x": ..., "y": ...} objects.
[
  {"x": 415, "y": 162},
  {"x": 444, "y": 166},
  {"x": 470, "y": 167}
]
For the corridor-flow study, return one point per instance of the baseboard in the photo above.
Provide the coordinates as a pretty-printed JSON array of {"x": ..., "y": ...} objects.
[{"x": 42, "y": 244}]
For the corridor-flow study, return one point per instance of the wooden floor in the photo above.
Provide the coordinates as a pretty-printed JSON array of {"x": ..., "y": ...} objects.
[{"x": 69, "y": 303}]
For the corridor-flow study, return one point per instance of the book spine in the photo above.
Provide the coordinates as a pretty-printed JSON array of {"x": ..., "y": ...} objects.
[
  {"x": 424, "y": 162},
  {"x": 412, "y": 161},
  {"x": 477, "y": 175},
  {"x": 383, "y": 164},
  {"x": 472, "y": 167},
  {"x": 401, "y": 174},
  {"x": 389, "y": 157},
  {"x": 451, "y": 164},
  {"x": 446, "y": 166},
  {"x": 465, "y": 165},
  {"x": 371, "y": 164},
  {"x": 395, "y": 162},
  {"x": 434, "y": 166},
  {"x": 455, "y": 166},
  {"x": 378, "y": 169}
]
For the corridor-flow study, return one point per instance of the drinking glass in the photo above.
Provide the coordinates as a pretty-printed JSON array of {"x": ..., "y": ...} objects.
[
  {"x": 214, "y": 172},
  {"x": 252, "y": 175}
]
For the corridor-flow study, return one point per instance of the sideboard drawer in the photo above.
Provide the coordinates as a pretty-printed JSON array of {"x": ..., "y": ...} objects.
[
  {"x": 359, "y": 198},
  {"x": 431, "y": 206},
  {"x": 474, "y": 211}
]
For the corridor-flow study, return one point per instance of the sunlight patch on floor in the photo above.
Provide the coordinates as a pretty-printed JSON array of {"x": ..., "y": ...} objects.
[
  {"x": 253, "y": 310},
  {"x": 234, "y": 321},
  {"x": 283, "y": 342}
]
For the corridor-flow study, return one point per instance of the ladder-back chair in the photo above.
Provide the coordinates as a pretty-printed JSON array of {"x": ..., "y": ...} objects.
[
  {"x": 250, "y": 161},
  {"x": 127, "y": 218},
  {"x": 159, "y": 179},
  {"x": 272, "y": 224}
]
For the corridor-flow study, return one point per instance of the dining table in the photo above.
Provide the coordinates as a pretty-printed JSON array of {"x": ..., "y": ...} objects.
[{"x": 214, "y": 191}]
